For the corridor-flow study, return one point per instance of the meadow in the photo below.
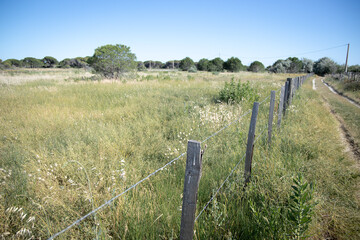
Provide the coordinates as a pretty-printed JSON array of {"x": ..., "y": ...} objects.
[{"x": 69, "y": 141}]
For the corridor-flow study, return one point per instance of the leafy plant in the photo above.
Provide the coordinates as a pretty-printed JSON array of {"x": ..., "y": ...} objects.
[
  {"x": 237, "y": 92},
  {"x": 301, "y": 207},
  {"x": 113, "y": 61}
]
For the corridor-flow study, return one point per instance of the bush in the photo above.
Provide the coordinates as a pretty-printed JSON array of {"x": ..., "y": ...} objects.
[
  {"x": 237, "y": 92},
  {"x": 113, "y": 61},
  {"x": 256, "y": 66},
  {"x": 192, "y": 69}
]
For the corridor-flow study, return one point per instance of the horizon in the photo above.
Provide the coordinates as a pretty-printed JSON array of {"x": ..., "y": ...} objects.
[{"x": 164, "y": 31}]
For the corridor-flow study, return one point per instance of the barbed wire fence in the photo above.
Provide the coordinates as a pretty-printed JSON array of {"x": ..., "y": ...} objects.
[{"x": 194, "y": 161}]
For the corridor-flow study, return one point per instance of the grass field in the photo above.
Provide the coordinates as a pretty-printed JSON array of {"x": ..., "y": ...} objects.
[{"x": 69, "y": 142}]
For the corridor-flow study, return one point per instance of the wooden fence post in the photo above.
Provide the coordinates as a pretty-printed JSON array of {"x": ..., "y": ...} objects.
[
  {"x": 281, "y": 105},
  {"x": 286, "y": 94},
  {"x": 191, "y": 185},
  {"x": 250, "y": 143},
  {"x": 271, "y": 115},
  {"x": 291, "y": 90}
]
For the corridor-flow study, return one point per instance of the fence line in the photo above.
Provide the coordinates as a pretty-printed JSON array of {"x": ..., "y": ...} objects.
[
  {"x": 292, "y": 85},
  {"x": 112, "y": 199},
  {"x": 217, "y": 191},
  {"x": 173, "y": 160},
  {"x": 227, "y": 178}
]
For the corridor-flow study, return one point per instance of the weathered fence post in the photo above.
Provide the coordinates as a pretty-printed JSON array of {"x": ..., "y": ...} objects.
[
  {"x": 291, "y": 90},
  {"x": 271, "y": 115},
  {"x": 286, "y": 94},
  {"x": 191, "y": 185},
  {"x": 250, "y": 143},
  {"x": 281, "y": 105}
]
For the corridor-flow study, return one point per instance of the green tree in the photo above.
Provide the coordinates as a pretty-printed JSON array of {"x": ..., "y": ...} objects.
[
  {"x": 280, "y": 66},
  {"x": 172, "y": 64},
  {"x": 256, "y": 66},
  {"x": 295, "y": 65},
  {"x": 49, "y": 62},
  {"x": 203, "y": 64},
  {"x": 216, "y": 65},
  {"x": 233, "y": 64},
  {"x": 354, "y": 68},
  {"x": 12, "y": 63},
  {"x": 308, "y": 65},
  {"x": 324, "y": 66},
  {"x": 186, "y": 64},
  {"x": 31, "y": 62},
  {"x": 113, "y": 61},
  {"x": 78, "y": 62},
  {"x": 140, "y": 66}
]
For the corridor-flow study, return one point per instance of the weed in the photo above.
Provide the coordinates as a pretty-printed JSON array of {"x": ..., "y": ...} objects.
[
  {"x": 237, "y": 92},
  {"x": 301, "y": 207}
]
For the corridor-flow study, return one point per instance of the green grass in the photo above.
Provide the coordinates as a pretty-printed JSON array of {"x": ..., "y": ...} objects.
[
  {"x": 347, "y": 112},
  {"x": 348, "y": 88},
  {"x": 69, "y": 146}
]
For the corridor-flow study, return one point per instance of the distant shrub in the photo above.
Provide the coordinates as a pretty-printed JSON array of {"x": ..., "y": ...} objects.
[
  {"x": 192, "y": 69},
  {"x": 352, "y": 86},
  {"x": 256, "y": 66},
  {"x": 237, "y": 92}
]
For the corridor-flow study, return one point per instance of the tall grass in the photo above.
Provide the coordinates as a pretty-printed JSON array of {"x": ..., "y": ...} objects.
[{"x": 67, "y": 147}]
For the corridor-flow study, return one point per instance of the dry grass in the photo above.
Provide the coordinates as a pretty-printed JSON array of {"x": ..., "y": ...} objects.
[{"x": 68, "y": 146}]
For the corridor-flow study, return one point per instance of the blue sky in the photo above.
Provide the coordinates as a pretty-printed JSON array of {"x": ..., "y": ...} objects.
[{"x": 166, "y": 30}]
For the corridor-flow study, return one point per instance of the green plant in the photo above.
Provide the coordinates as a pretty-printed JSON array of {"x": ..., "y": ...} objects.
[
  {"x": 237, "y": 92},
  {"x": 186, "y": 64},
  {"x": 233, "y": 64},
  {"x": 114, "y": 61},
  {"x": 301, "y": 207},
  {"x": 192, "y": 69},
  {"x": 256, "y": 66}
]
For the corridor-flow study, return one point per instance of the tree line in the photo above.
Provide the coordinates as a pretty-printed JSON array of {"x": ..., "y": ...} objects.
[{"x": 115, "y": 60}]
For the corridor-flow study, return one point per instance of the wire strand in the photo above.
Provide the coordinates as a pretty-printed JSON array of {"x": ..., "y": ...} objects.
[
  {"x": 223, "y": 128},
  {"x": 112, "y": 199},
  {"x": 217, "y": 191}
]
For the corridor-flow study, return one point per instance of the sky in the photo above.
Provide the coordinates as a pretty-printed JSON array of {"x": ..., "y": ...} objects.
[{"x": 165, "y": 30}]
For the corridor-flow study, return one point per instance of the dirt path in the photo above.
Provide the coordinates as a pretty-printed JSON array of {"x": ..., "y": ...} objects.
[
  {"x": 352, "y": 101},
  {"x": 348, "y": 139}
]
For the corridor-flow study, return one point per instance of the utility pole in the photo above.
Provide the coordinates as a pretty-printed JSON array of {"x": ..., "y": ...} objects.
[{"x": 347, "y": 56}]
